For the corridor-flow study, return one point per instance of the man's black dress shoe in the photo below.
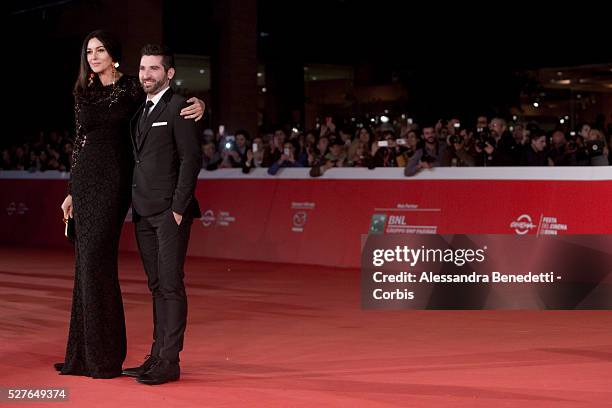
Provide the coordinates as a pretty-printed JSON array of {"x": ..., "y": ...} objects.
[
  {"x": 162, "y": 372},
  {"x": 140, "y": 370}
]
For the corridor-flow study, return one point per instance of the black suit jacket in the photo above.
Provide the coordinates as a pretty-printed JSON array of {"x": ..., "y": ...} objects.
[{"x": 168, "y": 159}]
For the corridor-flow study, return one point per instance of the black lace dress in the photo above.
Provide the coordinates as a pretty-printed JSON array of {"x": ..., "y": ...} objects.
[{"x": 101, "y": 188}]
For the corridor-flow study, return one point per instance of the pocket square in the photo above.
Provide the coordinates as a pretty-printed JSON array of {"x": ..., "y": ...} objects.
[{"x": 159, "y": 124}]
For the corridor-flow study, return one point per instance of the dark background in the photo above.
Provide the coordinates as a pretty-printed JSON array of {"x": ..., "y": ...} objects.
[{"x": 455, "y": 58}]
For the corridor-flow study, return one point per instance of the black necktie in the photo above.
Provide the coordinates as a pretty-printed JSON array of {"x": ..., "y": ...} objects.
[{"x": 143, "y": 120}]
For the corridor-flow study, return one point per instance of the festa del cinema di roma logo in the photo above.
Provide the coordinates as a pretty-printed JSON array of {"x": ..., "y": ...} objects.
[
  {"x": 547, "y": 225},
  {"x": 221, "y": 218},
  {"x": 16, "y": 209},
  {"x": 523, "y": 224},
  {"x": 208, "y": 218}
]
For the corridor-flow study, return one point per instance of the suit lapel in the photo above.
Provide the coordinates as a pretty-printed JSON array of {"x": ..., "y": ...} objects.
[
  {"x": 134, "y": 126},
  {"x": 154, "y": 114}
]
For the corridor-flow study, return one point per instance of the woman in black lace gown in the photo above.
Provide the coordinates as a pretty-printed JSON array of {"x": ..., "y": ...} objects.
[{"x": 98, "y": 199}]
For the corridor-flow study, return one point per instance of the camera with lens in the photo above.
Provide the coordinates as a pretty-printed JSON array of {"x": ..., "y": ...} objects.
[
  {"x": 427, "y": 158},
  {"x": 594, "y": 148},
  {"x": 482, "y": 137},
  {"x": 229, "y": 142},
  {"x": 455, "y": 139}
]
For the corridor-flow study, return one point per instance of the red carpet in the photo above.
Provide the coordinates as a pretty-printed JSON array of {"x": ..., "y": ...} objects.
[{"x": 274, "y": 335}]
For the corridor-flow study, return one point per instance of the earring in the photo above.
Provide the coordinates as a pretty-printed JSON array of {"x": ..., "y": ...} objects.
[
  {"x": 91, "y": 77},
  {"x": 115, "y": 65}
]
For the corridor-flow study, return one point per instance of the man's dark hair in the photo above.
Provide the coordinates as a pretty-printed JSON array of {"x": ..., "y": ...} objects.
[
  {"x": 388, "y": 132},
  {"x": 243, "y": 133},
  {"x": 536, "y": 134},
  {"x": 161, "y": 50}
]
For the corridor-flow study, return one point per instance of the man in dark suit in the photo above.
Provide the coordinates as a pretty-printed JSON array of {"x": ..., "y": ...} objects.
[{"x": 167, "y": 163}]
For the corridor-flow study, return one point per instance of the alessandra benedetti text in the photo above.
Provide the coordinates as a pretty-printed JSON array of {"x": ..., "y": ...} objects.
[{"x": 495, "y": 277}]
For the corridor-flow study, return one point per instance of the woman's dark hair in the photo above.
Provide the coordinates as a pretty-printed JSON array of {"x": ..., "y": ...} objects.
[{"x": 113, "y": 47}]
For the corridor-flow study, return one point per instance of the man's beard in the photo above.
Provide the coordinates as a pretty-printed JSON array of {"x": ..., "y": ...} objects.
[{"x": 154, "y": 87}]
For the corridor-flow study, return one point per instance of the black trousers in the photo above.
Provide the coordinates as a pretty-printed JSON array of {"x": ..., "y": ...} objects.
[{"x": 163, "y": 245}]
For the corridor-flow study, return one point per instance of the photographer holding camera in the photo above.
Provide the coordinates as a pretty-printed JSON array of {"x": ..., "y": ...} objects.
[
  {"x": 459, "y": 152},
  {"x": 484, "y": 146},
  {"x": 428, "y": 156},
  {"x": 596, "y": 148}
]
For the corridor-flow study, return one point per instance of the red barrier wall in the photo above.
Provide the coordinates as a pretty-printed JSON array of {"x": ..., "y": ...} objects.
[{"x": 296, "y": 219}]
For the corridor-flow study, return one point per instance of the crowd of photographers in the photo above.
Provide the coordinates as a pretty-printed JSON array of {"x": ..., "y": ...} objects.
[
  {"x": 410, "y": 146},
  {"x": 402, "y": 143}
]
